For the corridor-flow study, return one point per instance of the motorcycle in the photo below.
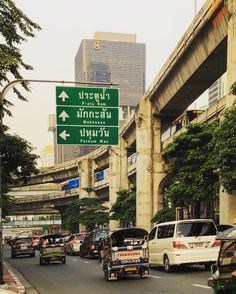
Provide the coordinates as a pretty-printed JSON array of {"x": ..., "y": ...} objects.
[{"x": 223, "y": 272}]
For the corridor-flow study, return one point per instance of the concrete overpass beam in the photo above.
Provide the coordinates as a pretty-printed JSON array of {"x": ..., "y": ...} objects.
[{"x": 228, "y": 202}]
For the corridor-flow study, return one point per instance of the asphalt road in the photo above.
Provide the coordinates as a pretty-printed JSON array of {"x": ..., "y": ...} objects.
[{"x": 85, "y": 276}]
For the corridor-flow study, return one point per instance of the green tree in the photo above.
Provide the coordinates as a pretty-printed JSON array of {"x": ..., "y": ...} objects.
[
  {"x": 17, "y": 162},
  {"x": 192, "y": 160},
  {"x": 15, "y": 28},
  {"x": 226, "y": 150},
  {"x": 16, "y": 157},
  {"x": 88, "y": 211},
  {"x": 124, "y": 209},
  {"x": 164, "y": 215}
]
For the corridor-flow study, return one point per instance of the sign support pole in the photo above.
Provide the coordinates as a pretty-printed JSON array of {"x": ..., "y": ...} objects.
[{"x": 5, "y": 89}]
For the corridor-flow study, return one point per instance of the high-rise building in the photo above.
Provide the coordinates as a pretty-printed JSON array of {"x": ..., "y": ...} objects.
[
  {"x": 113, "y": 58},
  {"x": 217, "y": 90},
  {"x": 62, "y": 153},
  {"x": 107, "y": 58},
  {"x": 47, "y": 156}
]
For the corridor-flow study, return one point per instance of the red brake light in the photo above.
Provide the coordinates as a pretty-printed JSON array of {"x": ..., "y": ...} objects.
[
  {"x": 178, "y": 245},
  {"x": 216, "y": 243}
]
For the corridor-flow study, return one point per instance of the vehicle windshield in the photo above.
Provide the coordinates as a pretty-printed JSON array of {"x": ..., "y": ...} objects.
[
  {"x": 99, "y": 234},
  {"x": 195, "y": 229},
  {"x": 228, "y": 253}
]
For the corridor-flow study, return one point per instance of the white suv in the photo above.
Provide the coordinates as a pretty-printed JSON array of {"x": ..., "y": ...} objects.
[{"x": 183, "y": 242}]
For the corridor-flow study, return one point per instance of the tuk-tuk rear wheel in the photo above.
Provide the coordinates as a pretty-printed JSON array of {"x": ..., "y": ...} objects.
[{"x": 106, "y": 274}]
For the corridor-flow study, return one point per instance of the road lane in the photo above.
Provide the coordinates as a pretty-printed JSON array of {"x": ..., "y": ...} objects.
[{"x": 85, "y": 276}]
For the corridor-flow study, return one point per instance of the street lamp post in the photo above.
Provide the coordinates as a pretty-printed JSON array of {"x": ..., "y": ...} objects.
[{"x": 2, "y": 96}]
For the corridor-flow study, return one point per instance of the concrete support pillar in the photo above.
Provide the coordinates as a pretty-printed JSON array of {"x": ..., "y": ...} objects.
[
  {"x": 115, "y": 179},
  {"x": 159, "y": 172},
  {"x": 231, "y": 50},
  {"x": 150, "y": 167},
  {"x": 144, "y": 192},
  {"x": 228, "y": 202},
  {"x": 227, "y": 208},
  {"x": 62, "y": 210},
  {"x": 85, "y": 170},
  {"x": 124, "y": 182}
]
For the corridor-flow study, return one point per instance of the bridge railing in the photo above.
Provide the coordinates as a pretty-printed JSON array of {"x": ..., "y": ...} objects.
[
  {"x": 30, "y": 223},
  {"x": 48, "y": 196}
]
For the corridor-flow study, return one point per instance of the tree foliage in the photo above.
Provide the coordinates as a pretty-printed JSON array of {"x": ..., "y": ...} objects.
[
  {"x": 15, "y": 28},
  {"x": 164, "y": 215},
  {"x": 193, "y": 164},
  {"x": 124, "y": 209},
  {"x": 88, "y": 211},
  {"x": 17, "y": 161},
  {"x": 226, "y": 150},
  {"x": 16, "y": 157}
]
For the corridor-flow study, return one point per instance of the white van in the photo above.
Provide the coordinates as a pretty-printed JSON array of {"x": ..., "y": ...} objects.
[{"x": 183, "y": 242}]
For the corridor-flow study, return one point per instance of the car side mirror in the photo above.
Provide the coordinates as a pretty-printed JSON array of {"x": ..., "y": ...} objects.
[
  {"x": 214, "y": 268},
  {"x": 215, "y": 271}
]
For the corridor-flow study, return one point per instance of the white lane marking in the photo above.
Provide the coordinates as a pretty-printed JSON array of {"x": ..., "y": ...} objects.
[
  {"x": 87, "y": 262},
  {"x": 156, "y": 277},
  {"x": 201, "y": 286}
]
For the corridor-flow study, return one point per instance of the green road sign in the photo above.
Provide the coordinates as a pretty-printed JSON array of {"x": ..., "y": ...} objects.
[
  {"x": 94, "y": 135},
  {"x": 87, "y": 96},
  {"x": 97, "y": 116},
  {"x": 87, "y": 115}
]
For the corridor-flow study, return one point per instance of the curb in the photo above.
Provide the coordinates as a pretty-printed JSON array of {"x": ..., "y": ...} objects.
[
  {"x": 22, "y": 284},
  {"x": 19, "y": 286}
]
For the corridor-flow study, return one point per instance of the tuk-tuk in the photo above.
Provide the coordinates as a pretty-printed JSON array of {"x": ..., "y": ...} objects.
[
  {"x": 125, "y": 252},
  {"x": 52, "y": 248},
  {"x": 223, "y": 279}
]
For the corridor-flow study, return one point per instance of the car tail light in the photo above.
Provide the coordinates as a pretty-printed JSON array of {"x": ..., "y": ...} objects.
[
  {"x": 216, "y": 243},
  {"x": 178, "y": 245}
]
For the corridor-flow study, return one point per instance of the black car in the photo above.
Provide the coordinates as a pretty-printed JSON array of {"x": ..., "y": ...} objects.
[
  {"x": 22, "y": 246},
  {"x": 89, "y": 247}
]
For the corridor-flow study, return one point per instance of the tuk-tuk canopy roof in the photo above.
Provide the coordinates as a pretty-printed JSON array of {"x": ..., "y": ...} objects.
[
  {"x": 229, "y": 234},
  {"x": 128, "y": 233}
]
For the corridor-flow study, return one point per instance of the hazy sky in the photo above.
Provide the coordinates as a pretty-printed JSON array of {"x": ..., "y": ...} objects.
[{"x": 157, "y": 23}]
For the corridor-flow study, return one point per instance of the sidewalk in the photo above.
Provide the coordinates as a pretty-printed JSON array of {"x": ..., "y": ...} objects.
[{"x": 12, "y": 284}]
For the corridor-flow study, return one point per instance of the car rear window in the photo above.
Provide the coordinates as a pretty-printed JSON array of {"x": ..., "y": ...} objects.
[
  {"x": 23, "y": 241},
  {"x": 195, "y": 229},
  {"x": 80, "y": 237}
]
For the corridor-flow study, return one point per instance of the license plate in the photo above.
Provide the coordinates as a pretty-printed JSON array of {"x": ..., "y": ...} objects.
[
  {"x": 23, "y": 246},
  {"x": 130, "y": 268},
  {"x": 198, "y": 245}
]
